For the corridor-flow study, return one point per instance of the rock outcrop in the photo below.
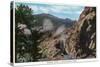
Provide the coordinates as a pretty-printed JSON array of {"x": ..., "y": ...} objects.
[
  {"x": 79, "y": 42},
  {"x": 82, "y": 41}
]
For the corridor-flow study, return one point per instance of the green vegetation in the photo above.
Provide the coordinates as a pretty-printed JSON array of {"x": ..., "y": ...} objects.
[{"x": 26, "y": 44}]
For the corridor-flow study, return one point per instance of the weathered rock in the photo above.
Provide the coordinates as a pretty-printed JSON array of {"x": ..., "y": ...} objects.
[
  {"x": 82, "y": 40},
  {"x": 79, "y": 42}
]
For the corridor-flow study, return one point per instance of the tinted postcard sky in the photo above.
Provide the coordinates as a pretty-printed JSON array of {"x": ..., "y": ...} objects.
[{"x": 61, "y": 11}]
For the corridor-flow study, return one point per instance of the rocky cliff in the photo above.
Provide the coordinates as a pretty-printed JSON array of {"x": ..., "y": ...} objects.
[
  {"x": 76, "y": 42},
  {"x": 82, "y": 40}
]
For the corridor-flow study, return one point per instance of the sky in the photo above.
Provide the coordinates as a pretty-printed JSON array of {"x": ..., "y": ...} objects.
[{"x": 62, "y": 11}]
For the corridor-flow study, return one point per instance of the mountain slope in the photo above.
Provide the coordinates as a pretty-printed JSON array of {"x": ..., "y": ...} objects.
[
  {"x": 83, "y": 39},
  {"x": 55, "y": 20},
  {"x": 78, "y": 41}
]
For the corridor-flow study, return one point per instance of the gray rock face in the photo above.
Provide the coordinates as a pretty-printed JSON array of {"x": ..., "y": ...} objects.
[
  {"x": 80, "y": 42},
  {"x": 47, "y": 25},
  {"x": 77, "y": 42}
]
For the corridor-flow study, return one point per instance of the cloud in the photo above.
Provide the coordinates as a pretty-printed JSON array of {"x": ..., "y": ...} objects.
[
  {"x": 67, "y": 9},
  {"x": 44, "y": 9},
  {"x": 63, "y": 11},
  {"x": 39, "y": 9},
  {"x": 35, "y": 8}
]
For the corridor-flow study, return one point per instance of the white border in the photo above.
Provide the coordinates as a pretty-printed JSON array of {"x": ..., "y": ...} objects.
[
  {"x": 55, "y": 62},
  {"x": 74, "y": 2},
  {"x": 58, "y": 61}
]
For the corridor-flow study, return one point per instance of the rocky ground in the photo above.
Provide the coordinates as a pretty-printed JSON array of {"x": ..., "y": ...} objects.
[{"x": 77, "y": 42}]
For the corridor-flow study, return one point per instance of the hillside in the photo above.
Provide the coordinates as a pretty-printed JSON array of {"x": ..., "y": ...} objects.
[
  {"x": 73, "y": 43},
  {"x": 55, "y": 21}
]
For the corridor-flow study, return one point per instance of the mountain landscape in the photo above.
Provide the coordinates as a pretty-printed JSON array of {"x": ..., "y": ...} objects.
[
  {"x": 45, "y": 37},
  {"x": 52, "y": 20},
  {"x": 79, "y": 42}
]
